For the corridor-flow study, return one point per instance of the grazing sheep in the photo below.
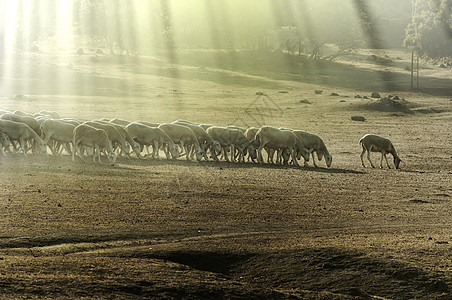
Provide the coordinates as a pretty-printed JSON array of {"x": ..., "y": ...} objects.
[
  {"x": 88, "y": 136},
  {"x": 205, "y": 126},
  {"x": 51, "y": 114},
  {"x": 30, "y": 121},
  {"x": 205, "y": 140},
  {"x": 120, "y": 122},
  {"x": 314, "y": 144},
  {"x": 184, "y": 136},
  {"x": 4, "y": 143},
  {"x": 150, "y": 124},
  {"x": 375, "y": 143},
  {"x": 236, "y": 127},
  {"x": 278, "y": 139},
  {"x": 233, "y": 139},
  {"x": 72, "y": 121},
  {"x": 22, "y": 133},
  {"x": 154, "y": 136},
  {"x": 121, "y": 129},
  {"x": 57, "y": 131},
  {"x": 115, "y": 137}
]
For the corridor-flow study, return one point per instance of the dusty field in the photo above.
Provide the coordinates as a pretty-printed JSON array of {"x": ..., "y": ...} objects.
[{"x": 178, "y": 229}]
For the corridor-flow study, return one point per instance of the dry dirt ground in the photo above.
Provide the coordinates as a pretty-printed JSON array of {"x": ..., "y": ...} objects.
[{"x": 180, "y": 229}]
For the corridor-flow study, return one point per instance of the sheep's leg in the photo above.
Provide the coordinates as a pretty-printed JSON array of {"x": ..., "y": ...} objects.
[
  {"x": 214, "y": 155},
  {"x": 97, "y": 150},
  {"x": 389, "y": 167},
  {"x": 165, "y": 147},
  {"x": 94, "y": 153},
  {"x": 74, "y": 150},
  {"x": 192, "y": 152},
  {"x": 259, "y": 155},
  {"x": 232, "y": 153},
  {"x": 278, "y": 156},
  {"x": 225, "y": 154},
  {"x": 313, "y": 159},
  {"x": 187, "y": 152},
  {"x": 23, "y": 146},
  {"x": 292, "y": 154},
  {"x": 270, "y": 154},
  {"x": 362, "y": 155},
  {"x": 368, "y": 157},
  {"x": 156, "y": 149}
]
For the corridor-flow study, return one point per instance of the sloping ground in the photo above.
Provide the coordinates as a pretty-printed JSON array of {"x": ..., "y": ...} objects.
[{"x": 178, "y": 229}]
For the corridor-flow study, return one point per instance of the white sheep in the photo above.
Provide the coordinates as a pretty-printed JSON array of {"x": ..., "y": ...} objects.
[
  {"x": 250, "y": 134},
  {"x": 314, "y": 144},
  {"x": 115, "y": 137},
  {"x": 184, "y": 136},
  {"x": 120, "y": 122},
  {"x": 22, "y": 133},
  {"x": 4, "y": 143},
  {"x": 280, "y": 140},
  {"x": 375, "y": 143},
  {"x": 232, "y": 139},
  {"x": 51, "y": 114},
  {"x": 58, "y": 131},
  {"x": 30, "y": 121},
  {"x": 154, "y": 136},
  {"x": 88, "y": 136},
  {"x": 121, "y": 129},
  {"x": 205, "y": 140}
]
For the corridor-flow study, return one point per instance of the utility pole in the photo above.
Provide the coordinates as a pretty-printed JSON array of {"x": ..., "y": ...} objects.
[
  {"x": 412, "y": 47},
  {"x": 412, "y": 67}
]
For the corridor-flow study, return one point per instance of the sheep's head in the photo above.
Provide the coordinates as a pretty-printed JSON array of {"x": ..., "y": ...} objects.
[
  {"x": 216, "y": 147},
  {"x": 174, "y": 151},
  {"x": 42, "y": 147},
  {"x": 199, "y": 153},
  {"x": 305, "y": 153},
  {"x": 127, "y": 147},
  {"x": 328, "y": 160},
  {"x": 252, "y": 151},
  {"x": 111, "y": 158},
  {"x": 285, "y": 155},
  {"x": 397, "y": 161}
]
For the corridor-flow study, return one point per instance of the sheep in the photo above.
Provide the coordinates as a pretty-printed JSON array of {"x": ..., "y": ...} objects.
[
  {"x": 23, "y": 133},
  {"x": 250, "y": 134},
  {"x": 51, "y": 114},
  {"x": 279, "y": 140},
  {"x": 375, "y": 143},
  {"x": 150, "y": 124},
  {"x": 236, "y": 127},
  {"x": 205, "y": 126},
  {"x": 314, "y": 144},
  {"x": 73, "y": 121},
  {"x": 155, "y": 136},
  {"x": 59, "y": 131},
  {"x": 233, "y": 138},
  {"x": 121, "y": 129},
  {"x": 203, "y": 137},
  {"x": 4, "y": 143},
  {"x": 120, "y": 122},
  {"x": 113, "y": 134},
  {"x": 88, "y": 136},
  {"x": 184, "y": 136},
  {"x": 30, "y": 121}
]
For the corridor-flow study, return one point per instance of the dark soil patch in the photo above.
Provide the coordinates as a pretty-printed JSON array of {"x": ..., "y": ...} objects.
[{"x": 388, "y": 105}]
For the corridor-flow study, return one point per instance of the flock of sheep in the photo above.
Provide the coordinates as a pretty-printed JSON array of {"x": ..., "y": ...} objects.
[{"x": 180, "y": 138}]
